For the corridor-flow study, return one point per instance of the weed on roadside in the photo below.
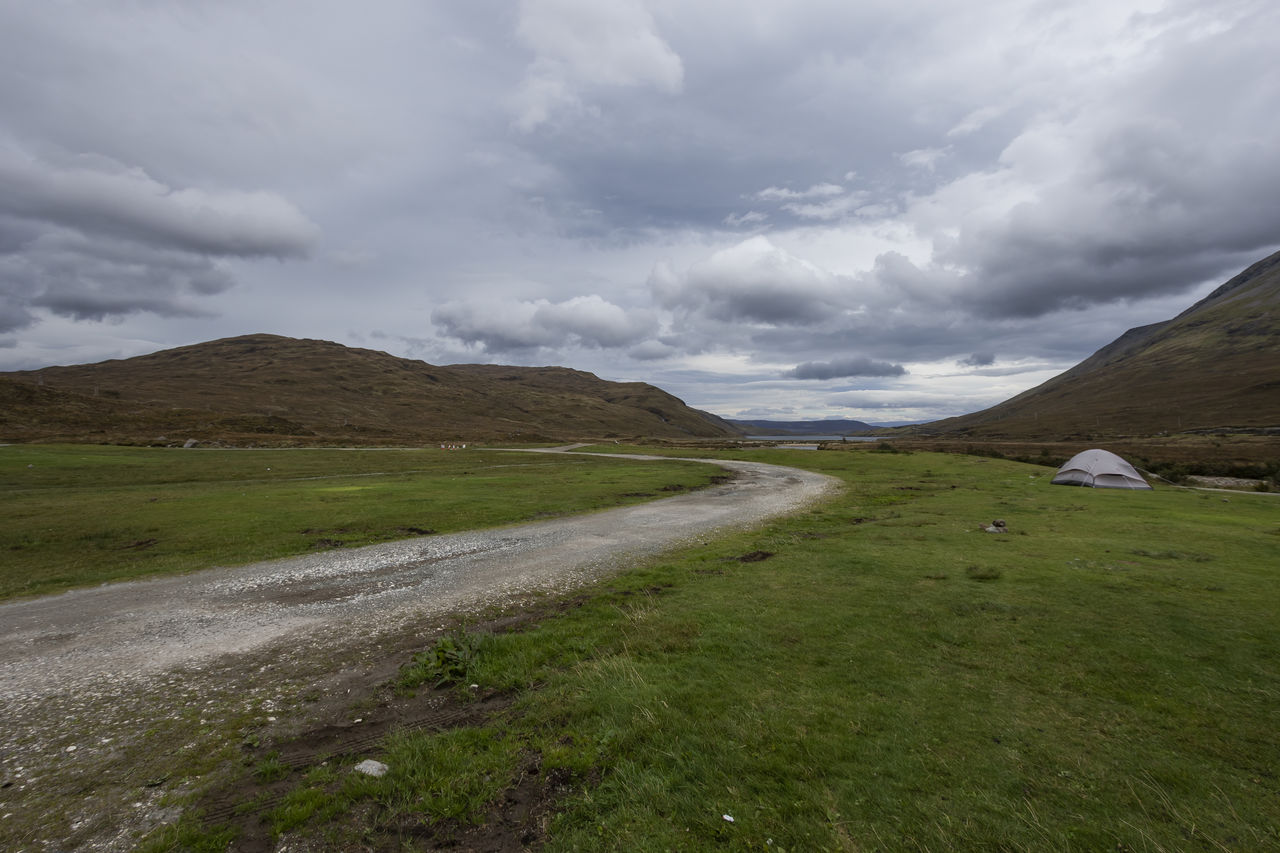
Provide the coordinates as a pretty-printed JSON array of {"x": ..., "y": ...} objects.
[{"x": 451, "y": 660}]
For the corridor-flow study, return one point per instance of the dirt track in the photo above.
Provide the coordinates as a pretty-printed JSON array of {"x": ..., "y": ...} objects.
[{"x": 83, "y": 673}]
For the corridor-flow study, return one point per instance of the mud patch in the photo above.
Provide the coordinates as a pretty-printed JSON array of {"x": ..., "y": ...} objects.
[
  {"x": 755, "y": 557},
  {"x": 245, "y": 803},
  {"x": 351, "y": 717},
  {"x": 517, "y": 823}
]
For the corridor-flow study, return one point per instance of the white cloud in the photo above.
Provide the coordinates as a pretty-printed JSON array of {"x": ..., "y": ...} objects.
[
  {"x": 827, "y": 210},
  {"x": 505, "y": 326},
  {"x": 975, "y": 121},
  {"x": 784, "y": 194},
  {"x": 753, "y": 281},
  {"x": 926, "y": 159},
  {"x": 751, "y": 217}
]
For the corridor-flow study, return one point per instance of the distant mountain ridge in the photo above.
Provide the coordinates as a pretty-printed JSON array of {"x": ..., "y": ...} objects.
[
  {"x": 1215, "y": 366},
  {"x": 273, "y": 389},
  {"x": 825, "y": 427}
]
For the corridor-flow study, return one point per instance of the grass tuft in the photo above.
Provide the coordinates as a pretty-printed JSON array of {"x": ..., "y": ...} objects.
[
  {"x": 980, "y": 573},
  {"x": 452, "y": 659}
]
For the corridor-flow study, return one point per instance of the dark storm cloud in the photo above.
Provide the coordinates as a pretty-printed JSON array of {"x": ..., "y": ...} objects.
[
  {"x": 95, "y": 278},
  {"x": 979, "y": 359},
  {"x": 14, "y": 314},
  {"x": 856, "y": 366}
]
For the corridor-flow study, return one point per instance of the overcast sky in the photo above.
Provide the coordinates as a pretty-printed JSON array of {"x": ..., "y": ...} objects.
[{"x": 878, "y": 209}]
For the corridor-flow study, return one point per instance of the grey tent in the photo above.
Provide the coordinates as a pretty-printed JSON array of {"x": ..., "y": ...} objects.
[{"x": 1100, "y": 469}]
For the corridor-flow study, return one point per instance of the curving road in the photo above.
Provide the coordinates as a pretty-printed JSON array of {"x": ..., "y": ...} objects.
[{"x": 131, "y": 631}]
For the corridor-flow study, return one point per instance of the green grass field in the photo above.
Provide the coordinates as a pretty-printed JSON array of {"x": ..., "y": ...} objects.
[
  {"x": 82, "y": 515},
  {"x": 879, "y": 674},
  {"x": 1105, "y": 676}
]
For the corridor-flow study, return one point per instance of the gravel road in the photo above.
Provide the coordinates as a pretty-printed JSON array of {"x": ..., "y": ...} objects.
[
  {"x": 135, "y": 629},
  {"x": 99, "y": 653}
]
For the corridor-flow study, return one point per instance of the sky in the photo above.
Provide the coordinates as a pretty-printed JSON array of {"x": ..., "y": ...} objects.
[{"x": 885, "y": 210}]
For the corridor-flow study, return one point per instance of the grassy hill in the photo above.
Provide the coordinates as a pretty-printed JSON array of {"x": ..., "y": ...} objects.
[
  {"x": 1215, "y": 367},
  {"x": 272, "y": 389}
]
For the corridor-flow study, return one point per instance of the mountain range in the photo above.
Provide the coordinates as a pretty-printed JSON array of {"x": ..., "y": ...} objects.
[
  {"x": 272, "y": 389},
  {"x": 1213, "y": 368},
  {"x": 824, "y": 427}
]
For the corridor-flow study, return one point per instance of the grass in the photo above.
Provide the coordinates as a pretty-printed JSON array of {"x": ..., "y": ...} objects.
[
  {"x": 1104, "y": 676},
  {"x": 82, "y": 515}
]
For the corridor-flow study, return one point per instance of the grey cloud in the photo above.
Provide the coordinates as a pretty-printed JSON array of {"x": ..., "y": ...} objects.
[
  {"x": 88, "y": 238},
  {"x": 979, "y": 359},
  {"x": 751, "y": 217},
  {"x": 652, "y": 350},
  {"x": 14, "y": 314},
  {"x": 1026, "y": 367},
  {"x": 854, "y": 366},
  {"x": 646, "y": 160},
  {"x": 753, "y": 281},
  {"x": 1140, "y": 194},
  {"x": 85, "y": 279},
  {"x": 95, "y": 195},
  {"x": 924, "y": 402},
  {"x": 580, "y": 46}
]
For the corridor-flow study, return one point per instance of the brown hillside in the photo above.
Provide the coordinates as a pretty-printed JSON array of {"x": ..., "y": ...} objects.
[
  {"x": 1215, "y": 367},
  {"x": 266, "y": 388}
]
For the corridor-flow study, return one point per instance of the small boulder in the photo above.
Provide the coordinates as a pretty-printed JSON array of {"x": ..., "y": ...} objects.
[{"x": 369, "y": 767}]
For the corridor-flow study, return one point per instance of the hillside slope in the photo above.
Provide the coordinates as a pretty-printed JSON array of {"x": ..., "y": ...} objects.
[
  {"x": 1216, "y": 366},
  {"x": 266, "y": 387}
]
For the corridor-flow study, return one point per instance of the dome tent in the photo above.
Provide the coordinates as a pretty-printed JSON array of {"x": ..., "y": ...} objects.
[{"x": 1100, "y": 469}]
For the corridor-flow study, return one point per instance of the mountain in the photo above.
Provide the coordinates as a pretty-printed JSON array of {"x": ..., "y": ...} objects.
[
  {"x": 266, "y": 388},
  {"x": 827, "y": 427},
  {"x": 1214, "y": 367}
]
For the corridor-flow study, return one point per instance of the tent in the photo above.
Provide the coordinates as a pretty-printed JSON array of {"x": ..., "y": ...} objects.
[{"x": 1100, "y": 469}]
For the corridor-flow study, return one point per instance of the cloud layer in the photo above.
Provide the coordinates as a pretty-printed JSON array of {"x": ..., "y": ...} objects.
[
  {"x": 888, "y": 211},
  {"x": 91, "y": 239}
]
